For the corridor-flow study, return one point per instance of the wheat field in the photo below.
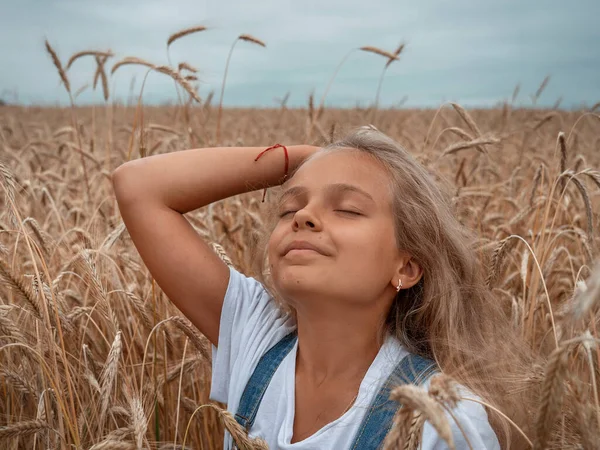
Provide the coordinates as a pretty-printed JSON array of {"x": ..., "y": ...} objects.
[{"x": 94, "y": 356}]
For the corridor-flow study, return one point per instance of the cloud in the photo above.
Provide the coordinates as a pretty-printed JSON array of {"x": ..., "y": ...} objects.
[{"x": 474, "y": 51}]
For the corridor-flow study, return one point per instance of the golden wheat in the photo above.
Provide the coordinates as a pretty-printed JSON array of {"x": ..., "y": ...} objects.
[
  {"x": 82, "y": 350},
  {"x": 96, "y": 54},
  {"x": 185, "y": 32},
  {"x": 59, "y": 67},
  {"x": 378, "y": 51}
]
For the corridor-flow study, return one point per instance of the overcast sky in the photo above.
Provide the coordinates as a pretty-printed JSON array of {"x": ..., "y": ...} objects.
[{"x": 470, "y": 51}]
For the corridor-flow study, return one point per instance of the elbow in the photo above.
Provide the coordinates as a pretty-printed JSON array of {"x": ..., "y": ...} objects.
[{"x": 123, "y": 182}]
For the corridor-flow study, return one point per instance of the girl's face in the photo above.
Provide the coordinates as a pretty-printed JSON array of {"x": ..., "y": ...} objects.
[{"x": 338, "y": 203}]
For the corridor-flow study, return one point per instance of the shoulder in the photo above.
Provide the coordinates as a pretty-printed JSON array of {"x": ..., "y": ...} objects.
[
  {"x": 251, "y": 322},
  {"x": 468, "y": 419}
]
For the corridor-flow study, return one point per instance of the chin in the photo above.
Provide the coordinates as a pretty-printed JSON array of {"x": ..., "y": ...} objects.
[{"x": 294, "y": 279}]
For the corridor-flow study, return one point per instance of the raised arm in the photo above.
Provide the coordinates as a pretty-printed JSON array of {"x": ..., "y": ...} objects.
[{"x": 154, "y": 192}]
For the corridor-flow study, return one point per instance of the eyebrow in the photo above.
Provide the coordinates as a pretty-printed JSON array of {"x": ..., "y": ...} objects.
[{"x": 332, "y": 188}]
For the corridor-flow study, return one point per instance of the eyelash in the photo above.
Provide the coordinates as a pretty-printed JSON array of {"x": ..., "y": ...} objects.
[{"x": 354, "y": 213}]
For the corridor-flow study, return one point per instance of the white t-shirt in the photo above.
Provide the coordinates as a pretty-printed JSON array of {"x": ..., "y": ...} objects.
[{"x": 251, "y": 323}]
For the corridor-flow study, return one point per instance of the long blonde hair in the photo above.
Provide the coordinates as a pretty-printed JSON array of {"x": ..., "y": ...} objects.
[{"x": 450, "y": 315}]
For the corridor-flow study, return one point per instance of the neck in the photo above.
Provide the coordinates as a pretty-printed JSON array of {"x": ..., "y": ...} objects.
[{"x": 336, "y": 347}]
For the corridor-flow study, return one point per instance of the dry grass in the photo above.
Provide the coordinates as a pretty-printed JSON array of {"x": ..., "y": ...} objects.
[{"x": 93, "y": 354}]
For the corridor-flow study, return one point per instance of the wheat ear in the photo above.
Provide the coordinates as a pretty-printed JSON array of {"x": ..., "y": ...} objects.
[
  {"x": 417, "y": 399},
  {"x": 24, "y": 428},
  {"x": 186, "y": 66},
  {"x": 552, "y": 395},
  {"x": 378, "y": 51},
  {"x": 185, "y": 32},
  {"x": 95, "y": 53},
  {"x": 59, "y": 67},
  {"x": 478, "y": 143}
]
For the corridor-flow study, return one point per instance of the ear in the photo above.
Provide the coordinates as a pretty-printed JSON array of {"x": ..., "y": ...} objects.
[{"x": 409, "y": 271}]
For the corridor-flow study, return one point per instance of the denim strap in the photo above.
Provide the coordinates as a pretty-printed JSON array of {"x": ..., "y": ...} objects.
[
  {"x": 260, "y": 379},
  {"x": 412, "y": 369}
]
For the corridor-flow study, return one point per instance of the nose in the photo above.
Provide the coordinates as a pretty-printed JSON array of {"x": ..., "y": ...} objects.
[{"x": 305, "y": 219}]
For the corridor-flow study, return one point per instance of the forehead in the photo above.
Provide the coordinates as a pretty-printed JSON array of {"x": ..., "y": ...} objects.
[{"x": 347, "y": 166}]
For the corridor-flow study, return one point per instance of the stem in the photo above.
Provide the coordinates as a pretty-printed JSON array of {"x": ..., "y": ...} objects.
[
  {"x": 322, "y": 102},
  {"x": 138, "y": 111},
  {"x": 218, "y": 135},
  {"x": 374, "y": 113},
  {"x": 179, "y": 102},
  {"x": 78, "y": 134},
  {"x": 590, "y": 360},
  {"x": 176, "y": 86},
  {"x": 535, "y": 259},
  {"x": 502, "y": 414}
]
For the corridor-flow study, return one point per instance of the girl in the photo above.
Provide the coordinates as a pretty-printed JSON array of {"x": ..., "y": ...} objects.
[{"x": 370, "y": 282}]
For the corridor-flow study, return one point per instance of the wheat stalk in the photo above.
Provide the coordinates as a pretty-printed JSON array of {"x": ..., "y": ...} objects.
[
  {"x": 562, "y": 145},
  {"x": 24, "y": 428},
  {"x": 18, "y": 286},
  {"x": 588, "y": 206},
  {"x": 58, "y": 65},
  {"x": 185, "y": 32},
  {"x": 445, "y": 390},
  {"x": 138, "y": 418},
  {"x": 249, "y": 38},
  {"x": 102, "y": 75},
  {"x": 112, "y": 444},
  {"x": 478, "y": 143},
  {"x": 415, "y": 430},
  {"x": 238, "y": 434},
  {"x": 552, "y": 395},
  {"x": 109, "y": 373},
  {"x": 131, "y": 60},
  {"x": 417, "y": 399},
  {"x": 80, "y": 90},
  {"x": 179, "y": 79},
  {"x": 197, "y": 340},
  {"x": 9, "y": 328},
  {"x": 17, "y": 381},
  {"x": 388, "y": 63},
  {"x": 464, "y": 115},
  {"x": 536, "y": 181},
  {"x": 221, "y": 253},
  {"x": 540, "y": 89},
  {"x": 515, "y": 93},
  {"x": 107, "y": 54},
  {"x": 544, "y": 120},
  {"x": 378, "y": 51},
  {"x": 65, "y": 80},
  {"x": 396, "y": 53},
  {"x": 496, "y": 260},
  {"x": 241, "y": 37},
  {"x": 186, "y": 66}
]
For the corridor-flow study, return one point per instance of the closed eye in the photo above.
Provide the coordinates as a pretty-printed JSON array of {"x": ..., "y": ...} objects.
[
  {"x": 285, "y": 213},
  {"x": 346, "y": 211}
]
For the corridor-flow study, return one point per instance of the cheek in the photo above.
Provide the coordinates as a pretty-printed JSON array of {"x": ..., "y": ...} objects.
[{"x": 372, "y": 247}]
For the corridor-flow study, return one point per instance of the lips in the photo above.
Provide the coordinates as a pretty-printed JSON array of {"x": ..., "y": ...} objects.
[{"x": 303, "y": 245}]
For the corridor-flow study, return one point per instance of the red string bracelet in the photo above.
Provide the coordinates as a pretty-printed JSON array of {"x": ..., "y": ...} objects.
[{"x": 287, "y": 162}]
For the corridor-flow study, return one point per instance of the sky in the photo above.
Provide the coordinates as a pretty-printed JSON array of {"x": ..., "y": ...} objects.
[{"x": 473, "y": 52}]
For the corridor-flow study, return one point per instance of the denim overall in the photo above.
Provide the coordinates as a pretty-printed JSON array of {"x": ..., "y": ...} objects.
[{"x": 377, "y": 423}]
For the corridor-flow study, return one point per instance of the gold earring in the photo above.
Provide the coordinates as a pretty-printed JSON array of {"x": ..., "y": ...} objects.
[{"x": 399, "y": 285}]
